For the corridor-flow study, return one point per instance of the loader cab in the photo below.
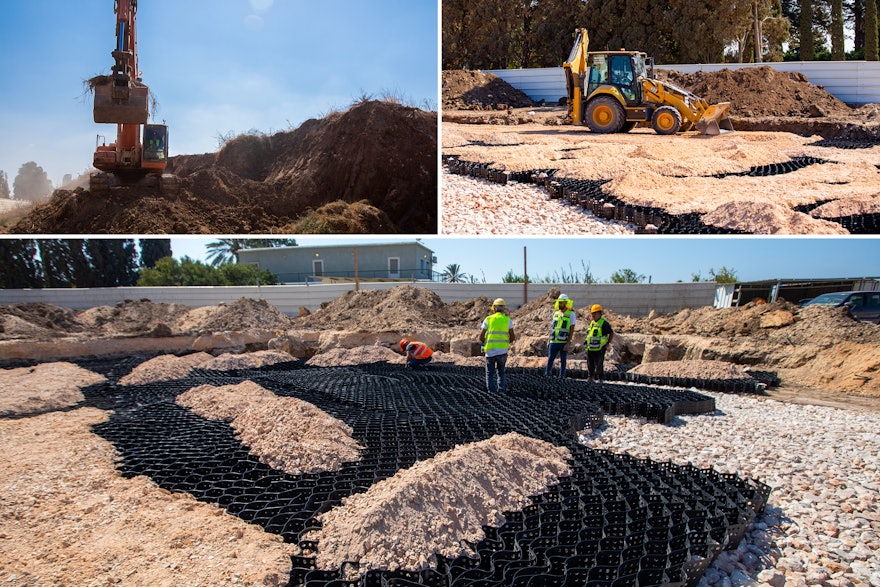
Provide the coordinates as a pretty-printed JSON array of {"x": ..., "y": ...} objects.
[
  {"x": 622, "y": 70},
  {"x": 155, "y": 146}
]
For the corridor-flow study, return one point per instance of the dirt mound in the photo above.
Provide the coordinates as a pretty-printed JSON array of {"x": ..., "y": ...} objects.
[
  {"x": 164, "y": 368},
  {"x": 438, "y": 504},
  {"x": 401, "y": 308},
  {"x": 342, "y": 218},
  {"x": 141, "y": 317},
  {"x": 243, "y": 314},
  {"x": 768, "y": 218},
  {"x": 477, "y": 90},
  {"x": 760, "y": 91},
  {"x": 699, "y": 369},
  {"x": 47, "y": 386},
  {"x": 377, "y": 151},
  {"x": 33, "y": 319},
  {"x": 355, "y": 356},
  {"x": 284, "y": 432}
]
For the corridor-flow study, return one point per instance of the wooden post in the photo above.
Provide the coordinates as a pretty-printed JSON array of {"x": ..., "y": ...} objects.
[
  {"x": 525, "y": 279},
  {"x": 357, "y": 283}
]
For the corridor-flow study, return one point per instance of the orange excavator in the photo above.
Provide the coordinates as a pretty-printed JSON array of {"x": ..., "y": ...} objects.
[{"x": 122, "y": 98}]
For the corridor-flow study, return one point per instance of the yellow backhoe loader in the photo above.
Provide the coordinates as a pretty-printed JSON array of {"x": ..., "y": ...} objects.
[{"x": 614, "y": 91}]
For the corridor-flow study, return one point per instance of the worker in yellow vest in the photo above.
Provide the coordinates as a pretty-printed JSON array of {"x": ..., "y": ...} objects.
[
  {"x": 496, "y": 336},
  {"x": 418, "y": 354},
  {"x": 564, "y": 320},
  {"x": 599, "y": 334}
]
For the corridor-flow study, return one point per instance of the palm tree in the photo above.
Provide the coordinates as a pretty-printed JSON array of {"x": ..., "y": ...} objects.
[
  {"x": 225, "y": 250},
  {"x": 453, "y": 274}
]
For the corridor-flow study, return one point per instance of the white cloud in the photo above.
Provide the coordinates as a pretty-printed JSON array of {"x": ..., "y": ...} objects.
[
  {"x": 261, "y": 5},
  {"x": 254, "y": 23}
]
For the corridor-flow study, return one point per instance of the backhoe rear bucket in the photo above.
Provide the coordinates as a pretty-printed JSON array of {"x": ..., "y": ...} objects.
[
  {"x": 122, "y": 105},
  {"x": 715, "y": 120}
]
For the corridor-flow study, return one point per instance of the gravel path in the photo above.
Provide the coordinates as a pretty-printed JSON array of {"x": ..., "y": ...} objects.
[
  {"x": 822, "y": 522},
  {"x": 477, "y": 206}
]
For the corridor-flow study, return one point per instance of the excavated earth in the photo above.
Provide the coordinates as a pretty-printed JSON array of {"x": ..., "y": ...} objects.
[
  {"x": 801, "y": 161},
  {"x": 98, "y": 523},
  {"x": 370, "y": 169}
]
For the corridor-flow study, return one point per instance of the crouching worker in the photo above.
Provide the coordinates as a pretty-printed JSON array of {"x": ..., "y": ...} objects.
[{"x": 418, "y": 354}]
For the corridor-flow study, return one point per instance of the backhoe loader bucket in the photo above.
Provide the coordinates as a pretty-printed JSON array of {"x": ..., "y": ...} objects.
[
  {"x": 715, "y": 120},
  {"x": 122, "y": 104}
]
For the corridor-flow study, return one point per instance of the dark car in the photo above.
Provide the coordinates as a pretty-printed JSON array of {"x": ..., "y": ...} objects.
[{"x": 863, "y": 305}]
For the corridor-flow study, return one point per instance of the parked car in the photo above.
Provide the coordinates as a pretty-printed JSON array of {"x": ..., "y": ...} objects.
[{"x": 863, "y": 305}]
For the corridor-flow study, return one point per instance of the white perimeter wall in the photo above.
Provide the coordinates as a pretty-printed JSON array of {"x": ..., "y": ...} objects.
[
  {"x": 627, "y": 299},
  {"x": 853, "y": 82}
]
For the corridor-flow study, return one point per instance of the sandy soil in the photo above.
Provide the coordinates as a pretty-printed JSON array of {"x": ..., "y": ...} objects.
[
  {"x": 43, "y": 387},
  {"x": 435, "y": 504},
  {"x": 69, "y": 518}
]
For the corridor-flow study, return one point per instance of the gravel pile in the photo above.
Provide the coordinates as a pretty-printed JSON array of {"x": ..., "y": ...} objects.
[
  {"x": 476, "y": 206},
  {"x": 822, "y": 522}
]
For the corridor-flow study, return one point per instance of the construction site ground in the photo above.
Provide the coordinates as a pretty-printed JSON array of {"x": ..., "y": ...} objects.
[
  {"x": 370, "y": 169},
  {"x": 85, "y": 524},
  {"x": 799, "y": 160}
]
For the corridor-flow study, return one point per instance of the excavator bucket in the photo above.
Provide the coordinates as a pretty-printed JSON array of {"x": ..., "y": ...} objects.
[
  {"x": 715, "y": 120},
  {"x": 121, "y": 104}
]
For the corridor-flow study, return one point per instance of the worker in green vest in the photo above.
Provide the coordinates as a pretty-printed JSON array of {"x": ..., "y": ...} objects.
[
  {"x": 599, "y": 334},
  {"x": 564, "y": 320},
  {"x": 496, "y": 336}
]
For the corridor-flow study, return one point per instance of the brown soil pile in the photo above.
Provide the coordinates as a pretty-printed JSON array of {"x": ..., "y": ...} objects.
[
  {"x": 36, "y": 320},
  {"x": 477, "y": 90},
  {"x": 141, "y": 317},
  {"x": 761, "y": 91},
  {"x": 379, "y": 152},
  {"x": 243, "y": 314},
  {"x": 69, "y": 518},
  {"x": 356, "y": 356},
  {"x": 698, "y": 369},
  {"x": 255, "y": 360},
  {"x": 284, "y": 433},
  {"x": 164, "y": 368},
  {"x": 342, "y": 218},
  {"x": 768, "y": 218},
  {"x": 47, "y": 386},
  {"x": 436, "y": 504},
  {"x": 399, "y": 309}
]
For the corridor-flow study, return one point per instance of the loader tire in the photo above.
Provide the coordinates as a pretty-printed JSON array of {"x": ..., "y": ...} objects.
[
  {"x": 666, "y": 120},
  {"x": 605, "y": 115}
]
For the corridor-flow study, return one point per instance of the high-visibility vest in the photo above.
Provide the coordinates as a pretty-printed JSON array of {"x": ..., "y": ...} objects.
[
  {"x": 419, "y": 350},
  {"x": 497, "y": 332},
  {"x": 561, "y": 326},
  {"x": 596, "y": 341}
]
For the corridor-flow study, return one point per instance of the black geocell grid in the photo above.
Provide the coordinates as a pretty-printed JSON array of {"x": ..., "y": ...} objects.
[{"x": 617, "y": 521}]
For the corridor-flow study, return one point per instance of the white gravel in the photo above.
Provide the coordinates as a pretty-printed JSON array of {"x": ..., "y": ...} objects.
[
  {"x": 822, "y": 521},
  {"x": 477, "y": 206}
]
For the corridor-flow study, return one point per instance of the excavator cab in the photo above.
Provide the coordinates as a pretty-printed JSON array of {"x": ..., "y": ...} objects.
[{"x": 155, "y": 146}]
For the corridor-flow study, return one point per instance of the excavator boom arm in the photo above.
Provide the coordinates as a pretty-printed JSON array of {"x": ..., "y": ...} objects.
[{"x": 575, "y": 72}]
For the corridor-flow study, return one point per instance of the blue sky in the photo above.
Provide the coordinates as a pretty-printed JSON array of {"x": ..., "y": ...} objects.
[
  {"x": 214, "y": 66},
  {"x": 664, "y": 259}
]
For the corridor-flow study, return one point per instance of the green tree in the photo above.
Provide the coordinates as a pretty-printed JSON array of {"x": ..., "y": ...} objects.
[
  {"x": 838, "y": 53},
  {"x": 872, "y": 47},
  {"x": 153, "y": 249},
  {"x": 806, "y": 30},
  {"x": 511, "y": 277},
  {"x": 170, "y": 271},
  {"x": 225, "y": 250},
  {"x": 31, "y": 183},
  {"x": 626, "y": 276},
  {"x": 64, "y": 263},
  {"x": 723, "y": 275},
  {"x": 19, "y": 267},
  {"x": 4, "y": 185},
  {"x": 113, "y": 262},
  {"x": 453, "y": 274}
]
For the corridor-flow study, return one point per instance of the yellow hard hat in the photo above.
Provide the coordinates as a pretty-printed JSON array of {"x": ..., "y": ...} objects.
[
  {"x": 498, "y": 302},
  {"x": 595, "y": 308}
]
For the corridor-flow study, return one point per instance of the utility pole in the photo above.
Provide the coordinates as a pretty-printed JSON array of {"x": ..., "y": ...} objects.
[{"x": 525, "y": 279}]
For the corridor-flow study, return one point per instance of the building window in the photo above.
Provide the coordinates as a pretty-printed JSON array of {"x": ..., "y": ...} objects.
[
  {"x": 393, "y": 267},
  {"x": 318, "y": 267}
]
